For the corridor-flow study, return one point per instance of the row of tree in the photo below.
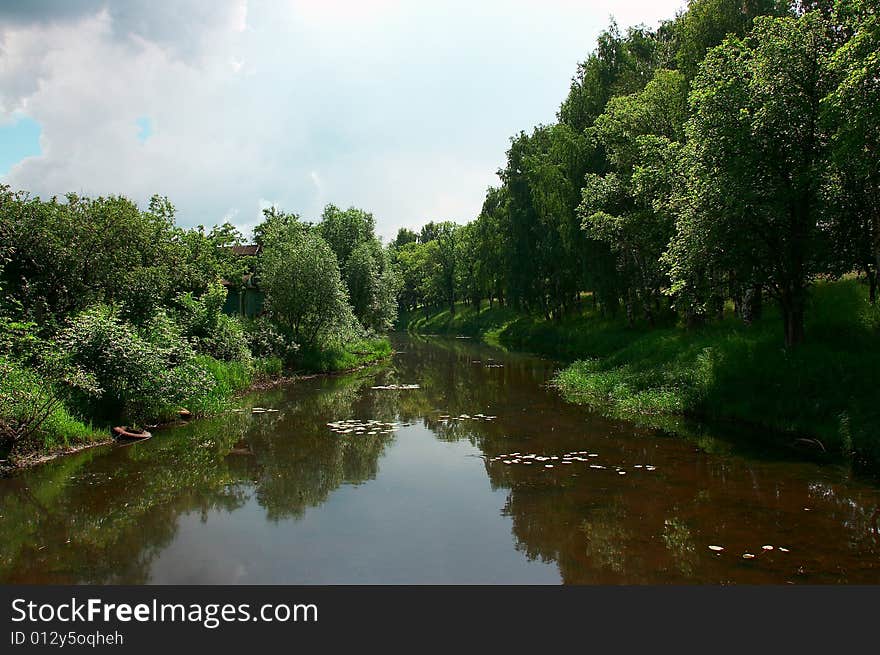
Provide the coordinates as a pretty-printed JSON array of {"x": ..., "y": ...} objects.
[
  {"x": 109, "y": 312},
  {"x": 61, "y": 256},
  {"x": 731, "y": 153},
  {"x": 321, "y": 279}
]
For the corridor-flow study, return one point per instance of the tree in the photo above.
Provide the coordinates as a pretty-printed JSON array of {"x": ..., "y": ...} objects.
[
  {"x": 447, "y": 255},
  {"x": 754, "y": 161},
  {"x": 853, "y": 117},
  {"x": 626, "y": 208},
  {"x": 706, "y": 24},
  {"x": 345, "y": 230},
  {"x": 304, "y": 290},
  {"x": 404, "y": 236},
  {"x": 365, "y": 268}
]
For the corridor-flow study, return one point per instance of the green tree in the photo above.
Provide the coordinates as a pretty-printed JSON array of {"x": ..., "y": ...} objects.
[
  {"x": 853, "y": 117},
  {"x": 304, "y": 289},
  {"x": 627, "y": 208},
  {"x": 755, "y": 158}
]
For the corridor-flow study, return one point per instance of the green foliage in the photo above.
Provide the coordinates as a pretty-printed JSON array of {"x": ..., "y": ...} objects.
[
  {"x": 754, "y": 160},
  {"x": 304, "y": 290},
  {"x": 723, "y": 371},
  {"x": 32, "y": 414},
  {"x": 66, "y": 256},
  {"x": 365, "y": 267},
  {"x": 264, "y": 340},
  {"x": 210, "y": 330},
  {"x": 113, "y": 313},
  {"x": 141, "y": 375},
  {"x": 343, "y": 356},
  {"x": 268, "y": 367}
]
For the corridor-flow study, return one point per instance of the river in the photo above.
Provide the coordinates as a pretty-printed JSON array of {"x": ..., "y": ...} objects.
[{"x": 482, "y": 474}]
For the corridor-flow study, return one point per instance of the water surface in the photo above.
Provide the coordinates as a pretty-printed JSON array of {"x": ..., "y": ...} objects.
[{"x": 281, "y": 497}]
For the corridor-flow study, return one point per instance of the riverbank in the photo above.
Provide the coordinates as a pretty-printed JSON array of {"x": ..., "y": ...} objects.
[
  {"x": 64, "y": 433},
  {"x": 824, "y": 391}
]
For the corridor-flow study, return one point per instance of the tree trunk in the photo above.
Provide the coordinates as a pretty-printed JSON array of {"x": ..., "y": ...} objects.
[
  {"x": 793, "y": 317},
  {"x": 752, "y": 304}
]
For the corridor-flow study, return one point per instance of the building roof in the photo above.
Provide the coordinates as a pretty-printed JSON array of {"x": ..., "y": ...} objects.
[{"x": 246, "y": 251}]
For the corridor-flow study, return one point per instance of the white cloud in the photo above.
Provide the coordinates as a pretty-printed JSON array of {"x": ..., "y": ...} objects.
[{"x": 402, "y": 108}]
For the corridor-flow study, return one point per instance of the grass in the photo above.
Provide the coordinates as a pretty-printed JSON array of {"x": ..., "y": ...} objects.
[
  {"x": 825, "y": 389},
  {"x": 21, "y": 391},
  {"x": 343, "y": 357},
  {"x": 228, "y": 379}
]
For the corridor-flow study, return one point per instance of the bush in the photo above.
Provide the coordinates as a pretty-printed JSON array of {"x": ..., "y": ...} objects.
[
  {"x": 269, "y": 366},
  {"x": 141, "y": 376},
  {"x": 264, "y": 340},
  {"x": 210, "y": 330},
  {"x": 32, "y": 415}
]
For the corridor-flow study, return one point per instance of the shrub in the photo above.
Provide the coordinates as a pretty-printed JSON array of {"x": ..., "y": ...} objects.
[
  {"x": 269, "y": 366},
  {"x": 32, "y": 414},
  {"x": 141, "y": 376},
  {"x": 210, "y": 330},
  {"x": 265, "y": 340}
]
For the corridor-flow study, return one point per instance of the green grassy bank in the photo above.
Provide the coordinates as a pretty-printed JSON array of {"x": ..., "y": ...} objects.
[
  {"x": 825, "y": 389},
  {"x": 66, "y": 426}
]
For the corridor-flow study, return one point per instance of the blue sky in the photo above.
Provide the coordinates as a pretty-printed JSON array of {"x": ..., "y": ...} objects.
[
  {"x": 18, "y": 139},
  {"x": 402, "y": 108}
]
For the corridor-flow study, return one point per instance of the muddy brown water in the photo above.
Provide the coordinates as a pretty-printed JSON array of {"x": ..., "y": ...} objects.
[{"x": 281, "y": 497}]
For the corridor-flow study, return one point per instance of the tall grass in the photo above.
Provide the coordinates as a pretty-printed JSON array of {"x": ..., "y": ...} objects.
[
  {"x": 343, "y": 356},
  {"x": 228, "y": 378},
  {"x": 21, "y": 392}
]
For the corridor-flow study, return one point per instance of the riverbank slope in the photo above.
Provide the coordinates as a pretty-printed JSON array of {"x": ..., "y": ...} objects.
[
  {"x": 824, "y": 390},
  {"x": 64, "y": 432}
]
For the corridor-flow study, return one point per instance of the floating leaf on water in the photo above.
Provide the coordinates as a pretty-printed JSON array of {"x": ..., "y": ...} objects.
[
  {"x": 717, "y": 549},
  {"x": 395, "y": 387}
]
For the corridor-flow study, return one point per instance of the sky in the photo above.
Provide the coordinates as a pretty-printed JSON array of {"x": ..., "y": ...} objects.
[{"x": 404, "y": 109}]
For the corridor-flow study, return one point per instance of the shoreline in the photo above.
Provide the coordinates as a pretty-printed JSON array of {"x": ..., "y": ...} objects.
[
  {"x": 263, "y": 383},
  {"x": 810, "y": 402}
]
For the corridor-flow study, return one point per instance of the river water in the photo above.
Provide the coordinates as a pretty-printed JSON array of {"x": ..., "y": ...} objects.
[{"x": 482, "y": 474}]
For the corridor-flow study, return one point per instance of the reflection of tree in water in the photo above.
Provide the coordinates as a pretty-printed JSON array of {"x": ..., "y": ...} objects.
[
  {"x": 103, "y": 515},
  {"x": 298, "y": 461},
  {"x": 680, "y": 543},
  {"x": 598, "y": 526},
  {"x": 606, "y": 537},
  {"x": 96, "y": 518}
]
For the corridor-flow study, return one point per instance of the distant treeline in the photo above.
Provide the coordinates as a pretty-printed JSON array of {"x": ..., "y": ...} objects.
[{"x": 732, "y": 153}]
